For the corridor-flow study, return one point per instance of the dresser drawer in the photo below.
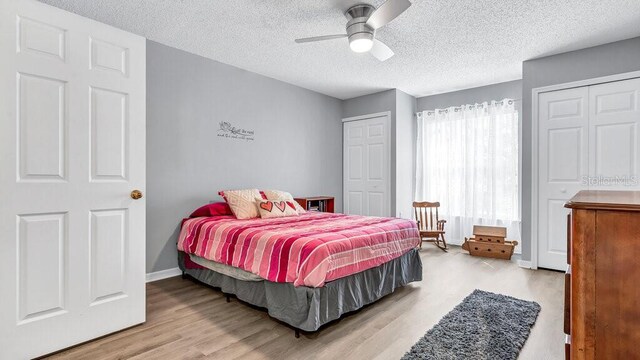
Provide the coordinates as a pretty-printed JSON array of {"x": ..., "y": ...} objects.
[{"x": 567, "y": 301}]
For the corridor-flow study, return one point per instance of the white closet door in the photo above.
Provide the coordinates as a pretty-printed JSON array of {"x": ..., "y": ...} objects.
[
  {"x": 563, "y": 150},
  {"x": 366, "y": 167},
  {"x": 614, "y": 131},
  {"x": 589, "y": 138},
  {"x": 72, "y": 144}
]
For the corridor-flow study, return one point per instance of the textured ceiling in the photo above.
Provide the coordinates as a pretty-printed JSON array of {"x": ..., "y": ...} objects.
[{"x": 439, "y": 45}]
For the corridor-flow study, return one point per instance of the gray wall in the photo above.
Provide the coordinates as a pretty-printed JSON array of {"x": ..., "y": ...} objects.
[
  {"x": 511, "y": 89},
  {"x": 405, "y": 159},
  {"x": 609, "y": 59},
  {"x": 369, "y": 104},
  {"x": 187, "y": 96},
  {"x": 297, "y": 147}
]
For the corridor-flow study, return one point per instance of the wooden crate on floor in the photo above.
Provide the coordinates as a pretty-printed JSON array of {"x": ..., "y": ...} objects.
[
  {"x": 491, "y": 250},
  {"x": 489, "y": 241}
]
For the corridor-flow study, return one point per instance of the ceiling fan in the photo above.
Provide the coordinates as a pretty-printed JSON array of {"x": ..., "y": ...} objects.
[{"x": 364, "y": 20}]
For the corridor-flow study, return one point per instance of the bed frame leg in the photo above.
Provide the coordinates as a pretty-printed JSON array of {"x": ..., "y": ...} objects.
[
  {"x": 184, "y": 275},
  {"x": 297, "y": 333},
  {"x": 228, "y": 297}
]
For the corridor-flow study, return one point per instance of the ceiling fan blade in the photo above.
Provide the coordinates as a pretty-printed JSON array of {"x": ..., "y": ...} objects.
[
  {"x": 380, "y": 51},
  {"x": 321, "y": 38},
  {"x": 388, "y": 11}
]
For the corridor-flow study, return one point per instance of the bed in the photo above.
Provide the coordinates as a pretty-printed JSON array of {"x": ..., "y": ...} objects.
[{"x": 306, "y": 270}]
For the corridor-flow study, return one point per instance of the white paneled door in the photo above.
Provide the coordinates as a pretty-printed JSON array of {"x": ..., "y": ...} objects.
[
  {"x": 614, "y": 133},
  {"x": 367, "y": 166},
  {"x": 563, "y": 148},
  {"x": 72, "y": 145},
  {"x": 588, "y": 139}
]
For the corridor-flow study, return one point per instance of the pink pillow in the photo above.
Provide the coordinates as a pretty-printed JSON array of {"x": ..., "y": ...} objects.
[{"x": 215, "y": 209}]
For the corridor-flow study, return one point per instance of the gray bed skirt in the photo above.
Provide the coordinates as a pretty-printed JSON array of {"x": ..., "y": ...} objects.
[{"x": 307, "y": 308}]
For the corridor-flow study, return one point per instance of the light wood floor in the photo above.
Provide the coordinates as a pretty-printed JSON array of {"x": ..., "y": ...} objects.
[{"x": 186, "y": 320}]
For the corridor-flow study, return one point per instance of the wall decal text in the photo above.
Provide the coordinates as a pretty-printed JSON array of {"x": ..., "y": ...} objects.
[{"x": 229, "y": 131}]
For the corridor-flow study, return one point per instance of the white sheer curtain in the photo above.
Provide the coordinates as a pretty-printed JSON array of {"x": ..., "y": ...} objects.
[{"x": 467, "y": 159}]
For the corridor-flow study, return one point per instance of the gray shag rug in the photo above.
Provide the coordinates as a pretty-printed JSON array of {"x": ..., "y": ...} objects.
[{"x": 483, "y": 326}]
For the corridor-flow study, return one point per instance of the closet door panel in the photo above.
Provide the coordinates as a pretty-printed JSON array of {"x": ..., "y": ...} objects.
[
  {"x": 563, "y": 166},
  {"x": 614, "y": 126}
]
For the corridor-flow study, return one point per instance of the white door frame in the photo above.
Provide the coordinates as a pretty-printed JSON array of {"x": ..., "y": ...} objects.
[
  {"x": 387, "y": 115},
  {"x": 535, "y": 92}
]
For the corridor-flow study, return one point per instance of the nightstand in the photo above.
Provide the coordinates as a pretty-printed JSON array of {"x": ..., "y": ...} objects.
[{"x": 317, "y": 203}]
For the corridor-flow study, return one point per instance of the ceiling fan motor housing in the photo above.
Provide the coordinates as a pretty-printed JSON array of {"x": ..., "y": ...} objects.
[{"x": 357, "y": 26}]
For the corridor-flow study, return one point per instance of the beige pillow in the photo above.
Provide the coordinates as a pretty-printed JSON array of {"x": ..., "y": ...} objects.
[
  {"x": 283, "y": 195},
  {"x": 274, "y": 208},
  {"x": 242, "y": 202}
]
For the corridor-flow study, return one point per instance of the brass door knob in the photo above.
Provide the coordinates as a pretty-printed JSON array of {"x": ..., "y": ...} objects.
[{"x": 136, "y": 194}]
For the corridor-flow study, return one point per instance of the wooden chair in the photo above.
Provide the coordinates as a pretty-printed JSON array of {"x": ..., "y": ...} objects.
[{"x": 431, "y": 227}]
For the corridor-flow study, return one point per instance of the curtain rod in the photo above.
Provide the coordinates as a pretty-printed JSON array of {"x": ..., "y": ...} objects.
[{"x": 456, "y": 108}]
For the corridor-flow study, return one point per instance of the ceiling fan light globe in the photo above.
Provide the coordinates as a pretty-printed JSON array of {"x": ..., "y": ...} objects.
[{"x": 361, "y": 45}]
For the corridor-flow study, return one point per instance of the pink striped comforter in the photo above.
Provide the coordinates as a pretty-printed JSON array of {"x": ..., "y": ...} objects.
[{"x": 306, "y": 250}]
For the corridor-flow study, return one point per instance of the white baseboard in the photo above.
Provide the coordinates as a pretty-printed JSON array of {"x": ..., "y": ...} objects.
[
  {"x": 163, "y": 274},
  {"x": 524, "y": 264},
  {"x": 455, "y": 242}
]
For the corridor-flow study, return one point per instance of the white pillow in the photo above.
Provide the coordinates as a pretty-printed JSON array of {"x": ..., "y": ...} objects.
[
  {"x": 242, "y": 202},
  {"x": 283, "y": 195}
]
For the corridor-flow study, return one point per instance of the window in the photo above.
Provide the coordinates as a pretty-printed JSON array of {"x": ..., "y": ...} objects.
[{"x": 467, "y": 159}]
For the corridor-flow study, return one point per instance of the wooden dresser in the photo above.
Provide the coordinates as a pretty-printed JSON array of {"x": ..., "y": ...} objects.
[{"x": 602, "y": 289}]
